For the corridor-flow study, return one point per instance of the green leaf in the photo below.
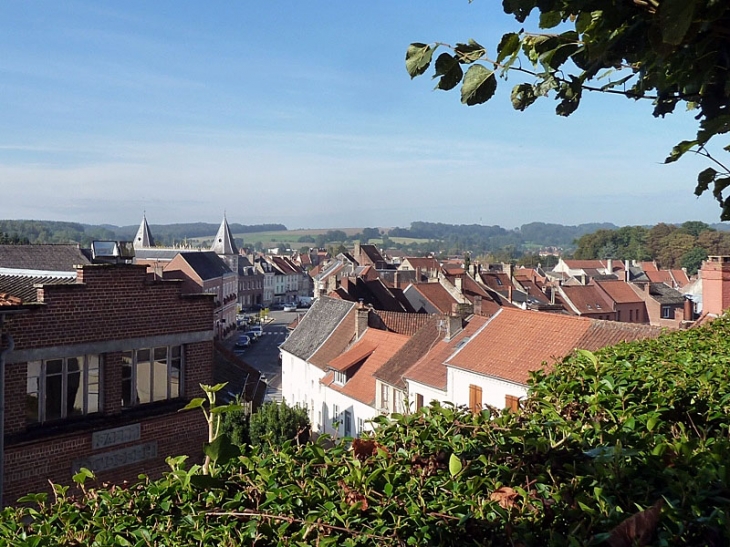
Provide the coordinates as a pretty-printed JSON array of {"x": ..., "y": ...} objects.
[
  {"x": 679, "y": 150},
  {"x": 523, "y": 95},
  {"x": 82, "y": 475},
  {"x": 195, "y": 403},
  {"x": 550, "y": 19},
  {"x": 454, "y": 465},
  {"x": 704, "y": 179},
  {"x": 470, "y": 52},
  {"x": 720, "y": 185},
  {"x": 206, "y": 482},
  {"x": 221, "y": 450},
  {"x": 651, "y": 423},
  {"x": 418, "y": 58},
  {"x": 448, "y": 68},
  {"x": 508, "y": 45},
  {"x": 479, "y": 85},
  {"x": 675, "y": 18}
]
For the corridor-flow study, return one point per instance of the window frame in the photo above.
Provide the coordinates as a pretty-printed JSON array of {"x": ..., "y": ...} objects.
[
  {"x": 134, "y": 400},
  {"x": 42, "y": 387}
]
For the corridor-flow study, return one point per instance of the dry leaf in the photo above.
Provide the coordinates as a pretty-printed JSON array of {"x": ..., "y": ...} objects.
[
  {"x": 638, "y": 529},
  {"x": 505, "y": 496}
]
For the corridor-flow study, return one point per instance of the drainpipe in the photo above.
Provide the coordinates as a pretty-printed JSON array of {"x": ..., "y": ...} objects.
[{"x": 3, "y": 351}]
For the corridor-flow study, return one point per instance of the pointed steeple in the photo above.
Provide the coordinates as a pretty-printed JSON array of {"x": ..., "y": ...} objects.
[
  {"x": 143, "y": 239},
  {"x": 223, "y": 243}
]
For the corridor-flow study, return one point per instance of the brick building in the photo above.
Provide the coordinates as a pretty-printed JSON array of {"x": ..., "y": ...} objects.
[{"x": 97, "y": 371}]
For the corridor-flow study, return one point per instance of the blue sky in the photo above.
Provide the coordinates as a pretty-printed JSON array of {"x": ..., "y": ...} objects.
[{"x": 302, "y": 113}]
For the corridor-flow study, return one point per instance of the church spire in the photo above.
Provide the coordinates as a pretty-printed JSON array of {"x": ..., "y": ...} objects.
[
  {"x": 143, "y": 239},
  {"x": 223, "y": 243}
]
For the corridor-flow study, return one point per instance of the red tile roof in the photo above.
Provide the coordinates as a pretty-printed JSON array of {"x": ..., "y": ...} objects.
[
  {"x": 619, "y": 291},
  {"x": 587, "y": 299},
  {"x": 361, "y": 385},
  {"x": 436, "y": 295},
  {"x": 402, "y": 323},
  {"x": 430, "y": 369},
  {"x": 515, "y": 342}
]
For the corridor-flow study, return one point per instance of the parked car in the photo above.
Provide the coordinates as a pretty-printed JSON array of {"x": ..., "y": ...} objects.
[
  {"x": 252, "y": 334},
  {"x": 258, "y": 330},
  {"x": 243, "y": 341},
  {"x": 290, "y": 307}
]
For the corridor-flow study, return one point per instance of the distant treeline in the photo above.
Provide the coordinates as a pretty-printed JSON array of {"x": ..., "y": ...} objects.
[
  {"x": 48, "y": 231},
  {"x": 485, "y": 239}
]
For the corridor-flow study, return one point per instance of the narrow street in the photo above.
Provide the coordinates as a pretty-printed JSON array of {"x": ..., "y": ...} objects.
[{"x": 263, "y": 355}]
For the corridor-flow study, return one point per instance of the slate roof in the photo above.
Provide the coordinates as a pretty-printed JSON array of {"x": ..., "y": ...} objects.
[
  {"x": 316, "y": 326},
  {"x": 371, "y": 251},
  {"x": 337, "y": 342},
  {"x": 430, "y": 369},
  {"x": 223, "y": 243},
  {"x": 665, "y": 294},
  {"x": 373, "y": 293},
  {"x": 361, "y": 385},
  {"x": 144, "y": 235},
  {"x": 156, "y": 254},
  {"x": 24, "y": 286},
  {"x": 206, "y": 264},
  {"x": 515, "y": 342},
  {"x": 46, "y": 258}
]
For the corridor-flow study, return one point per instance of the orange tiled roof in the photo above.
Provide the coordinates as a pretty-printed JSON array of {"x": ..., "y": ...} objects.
[
  {"x": 430, "y": 369},
  {"x": 400, "y": 322},
  {"x": 436, "y": 295},
  {"x": 619, "y": 291},
  {"x": 361, "y": 385},
  {"x": 356, "y": 354},
  {"x": 423, "y": 262},
  {"x": 587, "y": 299},
  {"x": 9, "y": 300},
  {"x": 515, "y": 342}
]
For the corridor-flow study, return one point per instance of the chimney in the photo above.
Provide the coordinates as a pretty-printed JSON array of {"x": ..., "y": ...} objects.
[
  {"x": 715, "y": 274},
  {"x": 458, "y": 284},
  {"x": 552, "y": 295},
  {"x": 453, "y": 325},
  {"x": 507, "y": 268},
  {"x": 477, "y": 305},
  {"x": 688, "y": 309},
  {"x": 509, "y": 293},
  {"x": 609, "y": 266},
  {"x": 361, "y": 319},
  {"x": 395, "y": 280}
]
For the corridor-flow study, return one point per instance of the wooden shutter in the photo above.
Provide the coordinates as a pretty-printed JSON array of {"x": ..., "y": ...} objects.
[
  {"x": 475, "y": 398},
  {"x": 419, "y": 401},
  {"x": 512, "y": 402}
]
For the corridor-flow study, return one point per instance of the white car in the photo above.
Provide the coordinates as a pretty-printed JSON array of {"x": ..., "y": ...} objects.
[{"x": 290, "y": 307}]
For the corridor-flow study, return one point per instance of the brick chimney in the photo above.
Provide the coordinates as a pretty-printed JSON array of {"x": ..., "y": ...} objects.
[
  {"x": 715, "y": 284},
  {"x": 458, "y": 283},
  {"x": 453, "y": 325},
  {"x": 477, "y": 305},
  {"x": 361, "y": 319}
]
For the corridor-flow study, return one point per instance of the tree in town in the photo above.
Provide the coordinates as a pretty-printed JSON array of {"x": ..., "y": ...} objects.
[
  {"x": 274, "y": 424},
  {"x": 692, "y": 260},
  {"x": 670, "y": 52}
]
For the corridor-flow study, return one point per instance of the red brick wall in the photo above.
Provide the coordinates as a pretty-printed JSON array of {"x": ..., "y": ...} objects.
[
  {"x": 109, "y": 303},
  {"x": 29, "y": 466},
  {"x": 715, "y": 285}
]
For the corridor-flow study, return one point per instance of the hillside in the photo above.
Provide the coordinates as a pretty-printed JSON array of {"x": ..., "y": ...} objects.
[{"x": 640, "y": 426}]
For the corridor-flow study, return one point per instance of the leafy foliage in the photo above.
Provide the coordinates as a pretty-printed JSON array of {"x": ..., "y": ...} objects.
[
  {"x": 626, "y": 446},
  {"x": 668, "y": 51},
  {"x": 274, "y": 424}
]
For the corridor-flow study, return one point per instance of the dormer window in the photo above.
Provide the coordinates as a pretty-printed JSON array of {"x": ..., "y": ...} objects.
[{"x": 340, "y": 378}]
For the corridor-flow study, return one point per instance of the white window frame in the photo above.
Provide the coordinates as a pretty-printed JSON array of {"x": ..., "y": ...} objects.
[
  {"x": 42, "y": 387},
  {"x": 134, "y": 402}
]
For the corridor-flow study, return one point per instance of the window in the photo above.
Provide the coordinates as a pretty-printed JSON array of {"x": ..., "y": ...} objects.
[
  {"x": 335, "y": 413},
  {"x": 512, "y": 402},
  {"x": 348, "y": 423},
  {"x": 419, "y": 401},
  {"x": 340, "y": 378},
  {"x": 359, "y": 426},
  {"x": 666, "y": 312},
  {"x": 384, "y": 397},
  {"x": 61, "y": 388},
  {"x": 151, "y": 374},
  {"x": 475, "y": 398},
  {"x": 631, "y": 315}
]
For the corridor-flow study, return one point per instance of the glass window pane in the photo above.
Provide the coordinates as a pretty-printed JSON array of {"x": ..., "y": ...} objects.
[
  {"x": 54, "y": 367},
  {"x": 54, "y": 394},
  {"x": 74, "y": 386},
  {"x": 144, "y": 376},
  {"x": 159, "y": 375},
  {"x": 128, "y": 398},
  {"x": 32, "y": 410}
]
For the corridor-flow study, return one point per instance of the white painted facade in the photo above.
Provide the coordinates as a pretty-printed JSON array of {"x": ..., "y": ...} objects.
[
  {"x": 494, "y": 390},
  {"x": 427, "y": 392},
  {"x": 300, "y": 384},
  {"x": 335, "y": 409}
]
